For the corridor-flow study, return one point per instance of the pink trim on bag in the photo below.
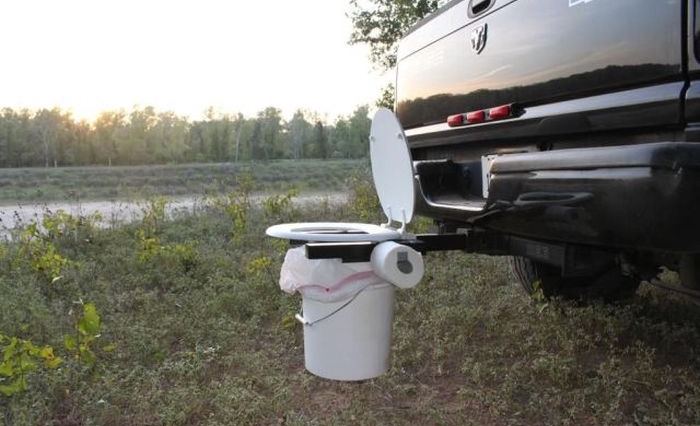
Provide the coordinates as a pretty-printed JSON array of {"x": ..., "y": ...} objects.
[{"x": 354, "y": 277}]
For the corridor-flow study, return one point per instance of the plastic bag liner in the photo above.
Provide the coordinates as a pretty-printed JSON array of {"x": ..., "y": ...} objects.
[{"x": 324, "y": 280}]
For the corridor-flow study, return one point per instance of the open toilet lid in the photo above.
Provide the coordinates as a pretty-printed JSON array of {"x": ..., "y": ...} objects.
[{"x": 392, "y": 167}]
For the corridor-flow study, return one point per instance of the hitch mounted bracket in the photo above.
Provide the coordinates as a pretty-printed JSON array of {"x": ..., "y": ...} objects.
[{"x": 574, "y": 260}]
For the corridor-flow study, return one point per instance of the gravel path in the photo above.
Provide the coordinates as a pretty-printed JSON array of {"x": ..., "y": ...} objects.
[{"x": 115, "y": 212}]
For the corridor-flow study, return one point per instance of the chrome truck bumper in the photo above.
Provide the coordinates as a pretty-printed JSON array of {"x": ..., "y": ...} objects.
[{"x": 644, "y": 196}]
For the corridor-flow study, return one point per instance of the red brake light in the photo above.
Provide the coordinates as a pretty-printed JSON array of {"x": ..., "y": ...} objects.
[
  {"x": 455, "y": 120},
  {"x": 476, "y": 116},
  {"x": 499, "y": 112},
  {"x": 480, "y": 116}
]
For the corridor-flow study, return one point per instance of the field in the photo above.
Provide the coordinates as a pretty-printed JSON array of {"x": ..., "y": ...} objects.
[
  {"x": 189, "y": 327},
  {"x": 108, "y": 183}
]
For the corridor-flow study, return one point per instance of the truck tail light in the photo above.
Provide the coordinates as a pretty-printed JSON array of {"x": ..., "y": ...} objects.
[
  {"x": 499, "y": 112},
  {"x": 455, "y": 120},
  {"x": 476, "y": 116},
  {"x": 484, "y": 115}
]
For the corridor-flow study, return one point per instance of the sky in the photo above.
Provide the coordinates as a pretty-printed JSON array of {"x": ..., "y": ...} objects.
[{"x": 88, "y": 56}]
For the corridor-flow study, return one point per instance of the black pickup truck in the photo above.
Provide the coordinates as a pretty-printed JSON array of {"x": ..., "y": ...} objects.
[{"x": 565, "y": 132}]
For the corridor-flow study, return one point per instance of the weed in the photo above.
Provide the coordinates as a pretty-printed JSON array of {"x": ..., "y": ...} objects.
[
  {"x": 153, "y": 215},
  {"x": 237, "y": 205},
  {"x": 364, "y": 202},
  {"x": 259, "y": 266},
  {"x": 20, "y": 357},
  {"x": 42, "y": 253},
  {"x": 60, "y": 225},
  {"x": 151, "y": 251},
  {"x": 279, "y": 208},
  {"x": 82, "y": 344}
]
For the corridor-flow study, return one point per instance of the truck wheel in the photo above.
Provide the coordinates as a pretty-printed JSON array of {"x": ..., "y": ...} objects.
[
  {"x": 608, "y": 285},
  {"x": 689, "y": 271}
]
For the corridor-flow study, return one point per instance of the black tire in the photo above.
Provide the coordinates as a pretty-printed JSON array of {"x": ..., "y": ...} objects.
[
  {"x": 609, "y": 285},
  {"x": 689, "y": 271}
]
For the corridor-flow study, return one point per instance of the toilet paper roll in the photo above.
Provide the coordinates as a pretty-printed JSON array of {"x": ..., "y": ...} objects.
[{"x": 398, "y": 264}]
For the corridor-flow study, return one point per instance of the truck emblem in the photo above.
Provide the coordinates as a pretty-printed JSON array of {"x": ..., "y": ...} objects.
[{"x": 478, "y": 38}]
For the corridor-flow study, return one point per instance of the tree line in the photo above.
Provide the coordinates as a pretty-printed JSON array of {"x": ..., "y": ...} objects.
[{"x": 52, "y": 137}]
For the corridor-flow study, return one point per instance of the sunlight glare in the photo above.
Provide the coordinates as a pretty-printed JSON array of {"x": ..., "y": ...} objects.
[{"x": 89, "y": 56}]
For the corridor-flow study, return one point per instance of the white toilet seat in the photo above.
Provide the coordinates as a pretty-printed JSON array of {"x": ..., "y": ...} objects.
[
  {"x": 332, "y": 232},
  {"x": 392, "y": 171}
]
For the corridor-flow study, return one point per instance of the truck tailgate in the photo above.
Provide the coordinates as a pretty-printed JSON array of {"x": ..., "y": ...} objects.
[{"x": 537, "y": 52}]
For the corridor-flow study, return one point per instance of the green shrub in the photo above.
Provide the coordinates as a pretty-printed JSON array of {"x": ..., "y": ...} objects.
[
  {"x": 82, "y": 344},
  {"x": 151, "y": 251},
  {"x": 364, "y": 203},
  {"x": 153, "y": 215},
  {"x": 280, "y": 208},
  {"x": 42, "y": 254},
  {"x": 237, "y": 204},
  {"x": 19, "y": 358}
]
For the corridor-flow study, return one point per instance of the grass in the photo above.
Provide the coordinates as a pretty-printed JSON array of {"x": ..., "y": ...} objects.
[
  {"x": 121, "y": 182},
  {"x": 204, "y": 336}
]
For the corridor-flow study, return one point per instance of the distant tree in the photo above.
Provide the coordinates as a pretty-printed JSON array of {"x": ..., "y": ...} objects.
[
  {"x": 138, "y": 143},
  {"x": 320, "y": 141},
  {"x": 255, "y": 141},
  {"x": 298, "y": 131},
  {"x": 25, "y": 150},
  {"x": 219, "y": 133},
  {"x": 213, "y": 137},
  {"x": 48, "y": 126},
  {"x": 381, "y": 23},
  {"x": 359, "y": 124},
  {"x": 340, "y": 139},
  {"x": 81, "y": 146},
  {"x": 272, "y": 143},
  {"x": 67, "y": 149},
  {"x": 350, "y": 137},
  {"x": 194, "y": 143},
  {"x": 15, "y": 138},
  {"x": 108, "y": 126},
  {"x": 169, "y": 135},
  {"x": 226, "y": 133},
  {"x": 245, "y": 129},
  {"x": 5, "y": 138}
]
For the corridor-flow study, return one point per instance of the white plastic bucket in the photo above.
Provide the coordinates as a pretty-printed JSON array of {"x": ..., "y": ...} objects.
[{"x": 351, "y": 339}]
